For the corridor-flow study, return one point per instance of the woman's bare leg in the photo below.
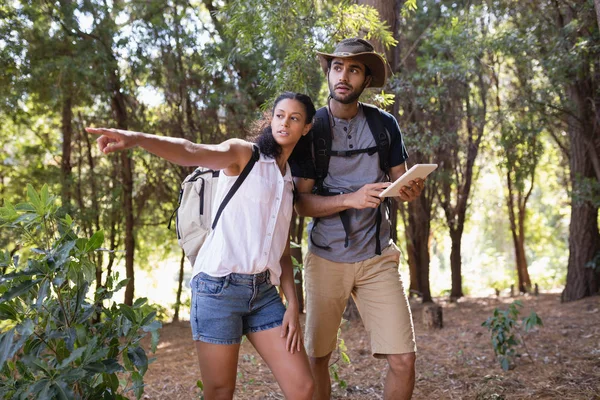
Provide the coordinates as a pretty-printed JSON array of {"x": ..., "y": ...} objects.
[
  {"x": 218, "y": 367},
  {"x": 291, "y": 371}
]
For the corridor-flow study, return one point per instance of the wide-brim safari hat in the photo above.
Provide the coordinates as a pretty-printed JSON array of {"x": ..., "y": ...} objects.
[{"x": 362, "y": 51}]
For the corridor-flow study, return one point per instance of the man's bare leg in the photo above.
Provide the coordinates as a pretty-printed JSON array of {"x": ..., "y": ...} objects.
[
  {"x": 320, "y": 370},
  {"x": 400, "y": 379}
]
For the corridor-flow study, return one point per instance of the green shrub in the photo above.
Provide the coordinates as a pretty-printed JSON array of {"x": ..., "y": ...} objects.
[
  {"x": 503, "y": 326},
  {"x": 58, "y": 341}
]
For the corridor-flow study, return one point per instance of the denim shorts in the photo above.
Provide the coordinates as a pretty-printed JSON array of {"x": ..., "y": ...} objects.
[{"x": 228, "y": 307}]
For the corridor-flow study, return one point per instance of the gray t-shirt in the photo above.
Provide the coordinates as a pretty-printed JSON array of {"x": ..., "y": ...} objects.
[{"x": 349, "y": 174}]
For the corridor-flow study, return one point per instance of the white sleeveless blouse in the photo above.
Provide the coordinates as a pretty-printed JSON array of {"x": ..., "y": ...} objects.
[{"x": 253, "y": 229}]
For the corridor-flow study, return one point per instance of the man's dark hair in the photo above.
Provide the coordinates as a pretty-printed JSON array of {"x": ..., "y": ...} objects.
[{"x": 265, "y": 140}]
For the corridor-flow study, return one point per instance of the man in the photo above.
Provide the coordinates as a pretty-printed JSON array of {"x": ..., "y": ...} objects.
[{"x": 350, "y": 251}]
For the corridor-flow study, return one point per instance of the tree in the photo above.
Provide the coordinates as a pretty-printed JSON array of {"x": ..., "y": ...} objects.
[{"x": 566, "y": 43}]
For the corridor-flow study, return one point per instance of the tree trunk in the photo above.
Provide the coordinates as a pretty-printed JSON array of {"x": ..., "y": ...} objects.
[
  {"x": 179, "y": 287},
  {"x": 65, "y": 164},
  {"x": 119, "y": 108},
  {"x": 413, "y": 288},
  {"x": 584, "y": 237},
  {"x": 420, "y": 228},
  {"x": 456, "y": 265},
  {"x": 388, "y": 13},
  {"x": 524, "y": 281},
  {"x": 597, "y": 7}
]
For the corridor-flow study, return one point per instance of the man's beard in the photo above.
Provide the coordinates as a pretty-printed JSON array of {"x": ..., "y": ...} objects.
[{"x": 348, "y": 98}]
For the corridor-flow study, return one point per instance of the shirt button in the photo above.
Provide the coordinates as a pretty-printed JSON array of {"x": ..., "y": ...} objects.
[
  {"x": 345, "y": 129},
  {"x": 351, "y": 146},
  {"x": 349, "y": 136}
]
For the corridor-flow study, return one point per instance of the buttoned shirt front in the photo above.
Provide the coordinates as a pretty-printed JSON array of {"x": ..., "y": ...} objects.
[{"x": 252, "y": 231}]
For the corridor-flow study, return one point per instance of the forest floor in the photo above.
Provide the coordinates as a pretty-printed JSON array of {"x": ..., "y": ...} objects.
[{"x": 456, "y": 362}]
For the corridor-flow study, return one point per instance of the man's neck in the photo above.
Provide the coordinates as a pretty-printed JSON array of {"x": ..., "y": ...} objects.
[{"x": 343, "y": 111}]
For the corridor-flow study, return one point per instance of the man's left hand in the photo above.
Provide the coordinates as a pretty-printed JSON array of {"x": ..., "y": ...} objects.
[{"x": 411, "y": 192}]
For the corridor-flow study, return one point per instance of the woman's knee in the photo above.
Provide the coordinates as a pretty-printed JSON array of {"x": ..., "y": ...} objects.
[
  {"x": 303, "y": 389},
  {"x": 402, "y": 363}
]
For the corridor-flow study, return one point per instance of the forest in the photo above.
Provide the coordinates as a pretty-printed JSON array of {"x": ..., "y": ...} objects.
[{"x": 503, "y": 95}]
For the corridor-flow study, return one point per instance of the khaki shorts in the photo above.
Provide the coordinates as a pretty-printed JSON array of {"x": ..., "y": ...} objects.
[{"x": 377, "y": 289}]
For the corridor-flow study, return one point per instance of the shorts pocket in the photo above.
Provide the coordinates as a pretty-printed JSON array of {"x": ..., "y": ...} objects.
[{"x": 210, "y": 285}]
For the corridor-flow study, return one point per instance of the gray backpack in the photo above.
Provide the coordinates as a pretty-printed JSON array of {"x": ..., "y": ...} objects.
[{"x": 196, "y": 200}]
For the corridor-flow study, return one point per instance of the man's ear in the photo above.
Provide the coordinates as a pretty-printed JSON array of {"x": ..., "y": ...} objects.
[{"x": 368, "y": 80}]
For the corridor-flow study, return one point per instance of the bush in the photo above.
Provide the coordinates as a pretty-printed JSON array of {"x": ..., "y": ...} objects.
[
  {"x": 503, "y": 328},
  {"x": 55, "y": 341}
]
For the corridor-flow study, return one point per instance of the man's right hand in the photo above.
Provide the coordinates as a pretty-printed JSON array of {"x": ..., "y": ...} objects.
[{"x": 366, "y": 197}]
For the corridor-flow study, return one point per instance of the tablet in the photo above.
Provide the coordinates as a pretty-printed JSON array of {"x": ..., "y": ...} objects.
[{"x": 416, "y": 171}]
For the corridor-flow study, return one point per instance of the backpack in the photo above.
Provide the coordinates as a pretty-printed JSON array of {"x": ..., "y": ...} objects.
[
  {"x": 196, "y": 200},
  {"x": 317, "y": 146},
  {"x": 379, "y": 125}
]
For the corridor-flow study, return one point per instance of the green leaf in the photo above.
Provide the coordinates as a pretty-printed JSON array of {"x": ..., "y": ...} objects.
[
  {"x": 42, "y": 293},
  {"x": 19, "y": 290},
  {"x": 8, "y": 213},
  {"x": 35, "y": 200},
  {"x": 63, "y": 253},
  {"x": 151, "y": 327},
  {"x": 148, "y": 318},
  {"x": 95, "y": 241},
  {"x": 6, "y": 341},
  {"x": 140, "y": 302},
  {"x": 504, "y": 363},
  {"x": 111, "y": 380},
  {"x": 154, "y": 342},
  {"x": 139, "y": 358},
  {"x": 121, "y": 285},
  {"x": 95, "y": 367},
  {"x": 24, "y": 331},
  {"x": 138, "y": 384},
  {"x": 13, "y": 275},
  {"x": 7, "y": 312},
  {"x": 88, "y": 270},
  {"x": 345, "y": 358},
  {"x": 112, "y": 366},
  {"x": 127, "y": 312},
  {"x": 127, "y": 361},
  {"x": 75, "y": 354},
  {"x": 62, "y": 391}
]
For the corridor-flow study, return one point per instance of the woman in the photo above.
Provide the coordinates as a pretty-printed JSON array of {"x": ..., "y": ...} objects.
[{"x": 246, "y": 254}]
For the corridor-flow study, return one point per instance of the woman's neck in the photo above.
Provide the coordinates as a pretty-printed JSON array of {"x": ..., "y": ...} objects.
[{"x": 281, "y": 160}]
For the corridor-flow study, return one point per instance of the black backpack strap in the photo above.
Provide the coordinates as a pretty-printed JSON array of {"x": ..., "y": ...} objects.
[
  {"x": 238, "y": 182},
  {"x": 321, "y": 136},
  {"x": 349, "y": 153},
  {"x": 378, "y": 122}
]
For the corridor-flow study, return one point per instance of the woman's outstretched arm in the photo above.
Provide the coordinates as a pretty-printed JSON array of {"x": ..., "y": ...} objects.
[{"x": 232, "y": 154}]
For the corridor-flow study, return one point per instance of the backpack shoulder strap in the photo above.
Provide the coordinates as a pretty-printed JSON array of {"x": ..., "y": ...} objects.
[
  {"x": 238, "y": 182},
  {"x": 321, "y": 135},
  {"x": 380, "y": 129}
]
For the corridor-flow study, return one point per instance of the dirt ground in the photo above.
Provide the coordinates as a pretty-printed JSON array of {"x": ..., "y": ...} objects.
[{"x": 456, "y": 362}]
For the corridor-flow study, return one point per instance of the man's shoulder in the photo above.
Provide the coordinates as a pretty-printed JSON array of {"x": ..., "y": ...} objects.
[{"x": 374, "y": 110}]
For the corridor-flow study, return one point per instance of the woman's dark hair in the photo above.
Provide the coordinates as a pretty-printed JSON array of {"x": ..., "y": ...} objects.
[{"x": 264, "y": 139}]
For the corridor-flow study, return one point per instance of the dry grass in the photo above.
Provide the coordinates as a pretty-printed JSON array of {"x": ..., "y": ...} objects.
[{"x": 456, "y": 362}]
